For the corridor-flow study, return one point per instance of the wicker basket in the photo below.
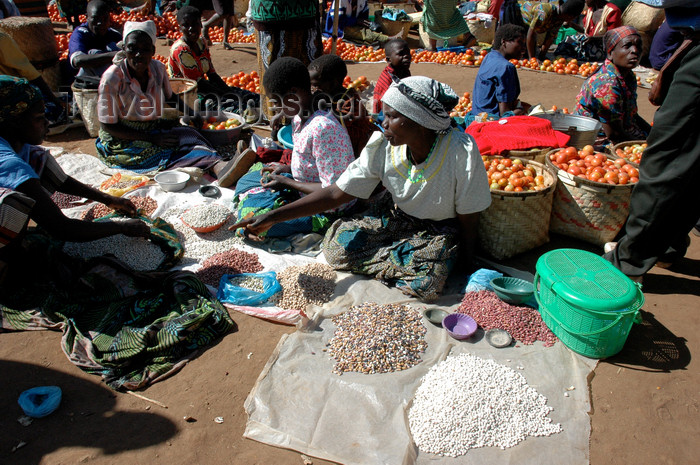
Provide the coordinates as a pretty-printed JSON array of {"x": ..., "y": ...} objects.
[
  {"x": 622, "y": 145},
  {"x": 186, "y": 89},
  {"x": 582, "y": 129},
  {"x": 517, "y": 221},
  {"x": 391, "y": 28},
  {"x": 591, "y": 211},
  {"x": 536, "y": 154},
  {"x": 86, "y": 99},
  {"x": 34, "y": 37},
  {"x": 484, "y": 31}
]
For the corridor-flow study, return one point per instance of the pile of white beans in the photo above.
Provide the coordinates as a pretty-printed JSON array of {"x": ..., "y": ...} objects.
[
  {"x": 200, "y": 246},
  {"x": 137, "y": 252},
  {"x": 206, "y": 215},
  {"x": 466, "y": 402}
]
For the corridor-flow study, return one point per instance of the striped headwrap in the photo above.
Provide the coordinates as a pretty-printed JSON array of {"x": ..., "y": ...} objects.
[
  {"x": 423, "y": 100},
  {"x": 17, "y": 95},
  {"x": 614, "y": 36}
]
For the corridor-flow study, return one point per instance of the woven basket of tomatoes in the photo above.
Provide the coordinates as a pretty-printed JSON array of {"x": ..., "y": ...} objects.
[
  {"x": 521, "y": 202},
  {"x": 536, "y": 154},
  {"x": 591, "y": 201},
  {"x": 630, "y": 150}
]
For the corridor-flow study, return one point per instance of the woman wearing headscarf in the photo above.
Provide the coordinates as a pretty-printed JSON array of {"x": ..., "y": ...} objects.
[
  {"x": 610, "y": 95},
  {"x": 132, "y": 328},
  {"x": 131, "y": 99},
  {"x": 435, "y": 184},
  {"x": 28, "y": 176}
]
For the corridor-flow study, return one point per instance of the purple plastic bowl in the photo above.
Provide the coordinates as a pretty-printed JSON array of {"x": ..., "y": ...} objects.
[{"x": 459, "y": 325}]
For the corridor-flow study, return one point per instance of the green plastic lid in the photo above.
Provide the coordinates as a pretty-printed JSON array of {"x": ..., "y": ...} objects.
[{"x": 588, "y": 281}]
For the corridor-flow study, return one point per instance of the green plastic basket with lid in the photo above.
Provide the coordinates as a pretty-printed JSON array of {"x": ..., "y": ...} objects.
[{"x": 587, "y": 303}]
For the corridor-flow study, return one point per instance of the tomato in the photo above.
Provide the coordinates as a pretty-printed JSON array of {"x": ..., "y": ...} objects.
[
  {"x": 588, "y": 150},
  {"x": 573, "y": 169},
  {"x": 611, "y": 177},
  {"x": 571, "y": 153}
]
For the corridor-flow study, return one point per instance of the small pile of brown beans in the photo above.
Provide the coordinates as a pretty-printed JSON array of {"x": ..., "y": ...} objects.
[
  {"x": 373, "y": 338},
  {"x": 232, "y": 261},
  {"x": 523, "y": 323},
  {"x": 64, "y": 201},
  {"x": 146, "y": 204},
  {"x": 305, "y": 285}
]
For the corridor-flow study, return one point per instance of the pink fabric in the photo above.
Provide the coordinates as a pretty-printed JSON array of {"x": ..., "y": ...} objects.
[
  {"x": 120, "y": 96},
  {"x": 519, "y": 133},
  {"x": 322, "y": 149}
]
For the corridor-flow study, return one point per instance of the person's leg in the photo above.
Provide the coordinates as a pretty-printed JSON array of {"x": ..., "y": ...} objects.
[
  {"x": 208, "y": 24},
  {"x": 663, "y": 209},
  {"x": 227, "y": 30}
]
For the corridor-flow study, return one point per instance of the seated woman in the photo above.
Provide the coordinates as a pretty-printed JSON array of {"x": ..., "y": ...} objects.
[
  {"x": 28, "y": 176},
  {"x": 601, "y": 16},
  {"x": 104, "y": 307},
  {"x": 327, "y": 74},
  {"x": 610, "y": 95},
  {"x": 436, "y": 186},
  {"x": 497, "y": 87},
  {"x": 322, "y": 151},
  {"x": 131, "y": 99},
  {"x": 190, "y": 58}
]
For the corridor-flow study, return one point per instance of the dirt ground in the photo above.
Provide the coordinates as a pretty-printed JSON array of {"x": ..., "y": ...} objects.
[{"x": 645, "y": 400}]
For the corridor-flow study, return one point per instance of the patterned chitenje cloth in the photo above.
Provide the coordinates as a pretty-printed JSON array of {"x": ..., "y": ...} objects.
[
  {"x": 141, "y": 155},
  {"x": 580, "y": 47},
  {"x": 304, "y": 44},
  {"x": 17, "y": 96},
  {"x": 275, "y": 10},
  {"x": 131, "y": 328},
  {"x": 442, "y": 20},
  {"x": 414, "y": 255},
  {"x": 254, "y": 200}
]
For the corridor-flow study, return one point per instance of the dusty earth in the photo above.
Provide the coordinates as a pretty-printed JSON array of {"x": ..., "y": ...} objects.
[{"x": 645, "y": 400}]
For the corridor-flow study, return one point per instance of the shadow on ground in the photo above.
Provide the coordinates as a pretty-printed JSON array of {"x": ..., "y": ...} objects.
[
  {"x": 652, "y": 347},
  {"x": 85, "y": 418}
]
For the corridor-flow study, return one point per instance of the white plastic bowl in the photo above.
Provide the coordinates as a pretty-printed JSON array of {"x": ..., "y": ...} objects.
[{"x": 172, "y": 181}]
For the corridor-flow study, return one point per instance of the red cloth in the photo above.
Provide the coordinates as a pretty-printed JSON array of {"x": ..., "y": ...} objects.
[
  {"x": 383, "y": 82},
  {"x": 519, "y": 133},
  {"x": 274, "y": 155}
]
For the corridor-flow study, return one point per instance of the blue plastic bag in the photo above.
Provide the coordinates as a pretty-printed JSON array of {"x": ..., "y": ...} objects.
[
  {"x": 236, "y": 295},
  {"x": 480, "y": 280},
  {"x": 40, "y": 401}
]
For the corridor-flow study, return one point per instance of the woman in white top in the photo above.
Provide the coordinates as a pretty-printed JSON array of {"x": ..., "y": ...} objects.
[{"x": 436, "y": 186}]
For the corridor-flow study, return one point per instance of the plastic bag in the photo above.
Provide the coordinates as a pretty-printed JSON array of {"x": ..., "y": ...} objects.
[
  {"x": 480, "y": 280},
  {"x": 119, "y": 184},
  {"x": 230, "y": 293},
  {"x": 40, "y": 401}
]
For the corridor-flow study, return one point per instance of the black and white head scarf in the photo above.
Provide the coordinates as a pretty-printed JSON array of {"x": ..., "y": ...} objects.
[{"x": 426, "y": 101}]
